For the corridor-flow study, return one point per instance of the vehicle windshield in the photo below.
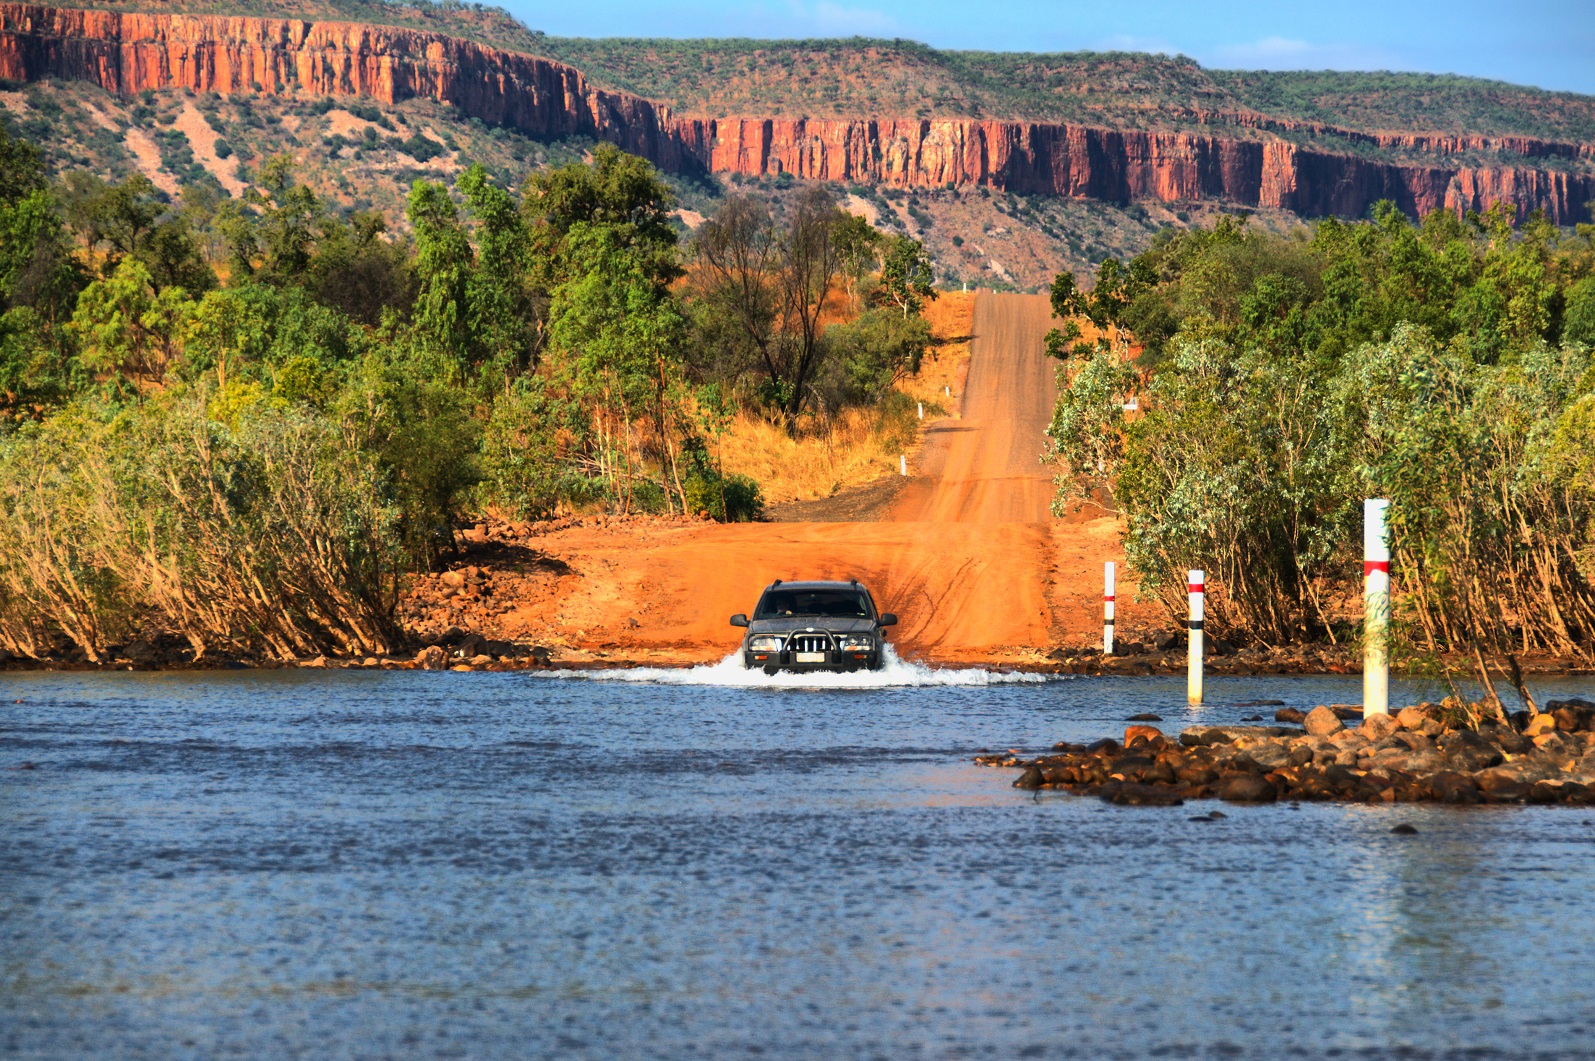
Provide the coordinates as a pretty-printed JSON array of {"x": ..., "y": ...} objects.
[{"x": 818, "y": 603}]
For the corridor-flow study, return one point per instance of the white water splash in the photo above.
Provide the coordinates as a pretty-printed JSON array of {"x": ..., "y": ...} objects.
[{"x": 730, "y": 672}]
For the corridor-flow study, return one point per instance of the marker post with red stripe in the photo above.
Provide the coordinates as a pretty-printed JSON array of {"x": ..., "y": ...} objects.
[
  {"x": 1107, "y": 607},
  {"x": 1197, "y": 586},
  {"x": 1375, "y": 608}
]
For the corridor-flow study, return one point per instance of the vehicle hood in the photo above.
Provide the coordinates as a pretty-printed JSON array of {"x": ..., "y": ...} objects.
[{"x": 787, "y": 626}]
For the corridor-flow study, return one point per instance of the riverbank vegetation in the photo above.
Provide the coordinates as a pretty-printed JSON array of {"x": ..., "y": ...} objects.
[
  {"x": 1280, "y": 380},
  {"x": 244, "y": 421}
]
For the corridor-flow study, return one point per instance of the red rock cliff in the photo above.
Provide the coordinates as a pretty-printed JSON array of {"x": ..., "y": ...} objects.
[{"x": 126, "y": 53}]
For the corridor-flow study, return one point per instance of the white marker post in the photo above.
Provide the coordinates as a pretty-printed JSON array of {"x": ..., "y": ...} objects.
[
  {"x": 1107, "y": 608},
  {"x": 1375, "y": 607},
  {"x": 922, "y": 410},
  {"x": 1198, "y": 589},
  {"x": 902, "y": 464}
]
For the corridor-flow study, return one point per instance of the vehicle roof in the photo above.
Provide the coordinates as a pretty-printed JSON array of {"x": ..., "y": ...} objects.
[{"x": 814, "y": 585}]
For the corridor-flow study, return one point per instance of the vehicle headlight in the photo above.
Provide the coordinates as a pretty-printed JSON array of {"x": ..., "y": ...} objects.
[
  {"x": 857, "y": 642},
  {"x": 764, "y": 643}
]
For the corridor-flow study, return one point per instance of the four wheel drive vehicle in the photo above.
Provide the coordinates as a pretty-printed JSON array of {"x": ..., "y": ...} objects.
[{"x": 814, "y": 626}]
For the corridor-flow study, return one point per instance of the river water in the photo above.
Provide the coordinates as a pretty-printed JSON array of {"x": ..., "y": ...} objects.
[{"x": 406, "y": 864}]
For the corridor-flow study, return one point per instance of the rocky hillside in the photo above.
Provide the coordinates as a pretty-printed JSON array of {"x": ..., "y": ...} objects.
[{"x": 1231, "y": 154}]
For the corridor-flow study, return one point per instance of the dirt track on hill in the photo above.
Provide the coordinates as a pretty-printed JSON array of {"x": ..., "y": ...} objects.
[
  {"x": 986, "y": 466},
  {"x": 969, "y": 556}
]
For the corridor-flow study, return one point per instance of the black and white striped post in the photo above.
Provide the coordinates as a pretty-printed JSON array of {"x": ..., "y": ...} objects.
[
  {"x": 1197, "y": 586},
  {"x": 1107, "y": 607},
  {"x": 1375, "y": 607}
]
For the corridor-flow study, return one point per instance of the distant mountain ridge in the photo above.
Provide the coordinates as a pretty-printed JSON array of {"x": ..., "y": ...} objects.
[
  {"x": 1137, "y": 137},
  {"x": 854, "y": 76}
]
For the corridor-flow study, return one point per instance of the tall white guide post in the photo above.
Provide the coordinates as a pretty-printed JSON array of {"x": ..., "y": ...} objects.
[
  {"x": 1107, "y": 608},
  {"x": 1375, "y": 607},
  {"x": 1198, "y": 590},
  {"x": 902, "y": 464}
]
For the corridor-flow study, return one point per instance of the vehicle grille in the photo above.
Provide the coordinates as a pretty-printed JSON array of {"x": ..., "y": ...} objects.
[{"x": 809, "y": 643}]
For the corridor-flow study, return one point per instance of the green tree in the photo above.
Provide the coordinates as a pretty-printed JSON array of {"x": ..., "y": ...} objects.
[
  {"x": 619, "y": 191},
  {"x": 360, "y": 274},
  {"x": 289, "y": 218},
  {"x": 503, "y": 307},
  {"x": 858, "y": 252},
  {"x": 444, "y": 262},
  {"x": 907, "y": 275},
  {"x": 624, "y": 331},
  {"x": 129, "y": 328}
]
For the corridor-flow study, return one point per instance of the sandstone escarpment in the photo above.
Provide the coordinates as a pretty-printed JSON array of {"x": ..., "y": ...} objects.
[
  {"x": 128, "y": 53},
  {"x": 1250, "y": 161}
]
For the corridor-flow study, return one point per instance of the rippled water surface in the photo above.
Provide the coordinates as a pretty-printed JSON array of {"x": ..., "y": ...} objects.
[{"x": 402, "y": 864}]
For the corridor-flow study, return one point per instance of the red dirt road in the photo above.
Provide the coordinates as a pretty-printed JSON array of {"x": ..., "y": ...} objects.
[
  {"x": 986, "y": 467},
  {"x": 970, "y": 558}
]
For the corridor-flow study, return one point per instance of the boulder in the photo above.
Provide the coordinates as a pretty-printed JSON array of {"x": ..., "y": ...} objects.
[
  {"x": 1143, "y": 732},
  {"x": 1321, "y": 722},
  {"x": 318, "y": 663},
  {"x": 1378, "y": 727},
  {"x": 1030, "y": 779},
  {"x": 1290, "y": 714},
  {"x": 1448, "y": 786},
  {"x": 1506, "y": 792},
  {"x": 432, "y": 657},
  {"x": 1573, "y": 716},
  {"x": 1246, "y": 788},
  {"x": 1128, "y": 794},
  {"x": 1271, "y": 755},
  {"x": 1540, "y": 724},
  {"x": 1413, "y": 740},
  {"x": 1577, "y": 793},
  {"x": 1576, "y": 709},
  {"x": 1203, "y": 736},
  {"x": 1411, "y": 717},
  {"x": 1546, "y": 792},
  {"x": 1468, "y": 751}
]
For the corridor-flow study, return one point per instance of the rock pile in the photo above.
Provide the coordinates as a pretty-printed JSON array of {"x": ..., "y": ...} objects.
[{"x": 1419, "y": 754}]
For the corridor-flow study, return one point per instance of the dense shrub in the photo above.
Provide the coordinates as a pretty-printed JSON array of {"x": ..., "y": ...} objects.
[
  {"x": 267, "y": 536},
  {"x": 1282, "y": 380}
]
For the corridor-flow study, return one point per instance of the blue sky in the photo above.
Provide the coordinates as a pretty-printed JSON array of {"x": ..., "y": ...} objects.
[{"x": 1550, "y": 44}]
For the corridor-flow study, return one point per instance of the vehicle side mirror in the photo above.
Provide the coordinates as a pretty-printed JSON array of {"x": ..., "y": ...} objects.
[
  {"x": 739, "y": 619},
  {"x": 889, "y": 619}
]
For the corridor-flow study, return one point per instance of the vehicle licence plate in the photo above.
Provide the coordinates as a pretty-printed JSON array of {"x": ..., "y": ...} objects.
[{"x": 808, "y": 657}]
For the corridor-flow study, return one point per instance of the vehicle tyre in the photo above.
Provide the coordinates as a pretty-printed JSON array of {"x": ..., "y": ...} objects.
[{"x": 771, "y": 671}]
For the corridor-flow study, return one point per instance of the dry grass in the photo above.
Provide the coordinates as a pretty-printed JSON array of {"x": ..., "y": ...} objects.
[
  {"x": 857, "y": 446},
  {"x": 940, "y": 383},
  {"x": 850, "y": 449}
]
